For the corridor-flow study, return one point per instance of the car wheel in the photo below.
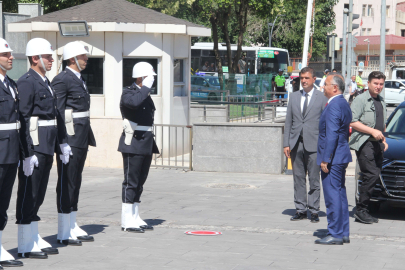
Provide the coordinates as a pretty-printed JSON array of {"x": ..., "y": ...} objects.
[
  {"x": 212, "y": 97},
  {"x": 373, "y": 207}
]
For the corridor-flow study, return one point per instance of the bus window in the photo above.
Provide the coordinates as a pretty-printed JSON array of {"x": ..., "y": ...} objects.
[
  {"x": 272, "y": 65},
  {"x": 208, "y": 64},
  {"x": 195, "y": 53}
]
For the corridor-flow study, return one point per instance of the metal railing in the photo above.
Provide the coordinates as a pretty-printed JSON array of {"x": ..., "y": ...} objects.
[{"x": 175, "y": 146}]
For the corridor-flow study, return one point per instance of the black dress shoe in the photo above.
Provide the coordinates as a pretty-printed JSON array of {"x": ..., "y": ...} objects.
[
  {"x": 298, "y": 216},
  {"x": 314, "y": 218},
  {"x": 50, "y": 250},
  {"x": 70, "y": 242},
  {"x": 346, "y": 240},
  {"x": 375, "y": 220},
  {"x": 134, "y": 230},
  {"x": 146, "y": 227},
  {"x": 11, "y": 263},
  {"x": 33, "y": 255},
  {"x": 363, "y": 216},
  {"x": 86, "y": 238},
  {"x": 329, "y": 240}
]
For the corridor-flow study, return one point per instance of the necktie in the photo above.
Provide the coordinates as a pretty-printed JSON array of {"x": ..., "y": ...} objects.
[
  {"x": 7, "y": 82},
  {"x": 49, "y": 86},
  {"x": 304, "y": 110},
  {"x": 83, "y": 82}
]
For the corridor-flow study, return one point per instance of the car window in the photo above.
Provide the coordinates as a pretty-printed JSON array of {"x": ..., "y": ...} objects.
[
  {"x": 388, "y": 84},
  {"x": 396, "y": 85},
  {"x": 213, "y": 81},
  {"x": 192, "y": 80},
  {"x": 397, "y": 123},
  {"x": 198, "y": 81}
]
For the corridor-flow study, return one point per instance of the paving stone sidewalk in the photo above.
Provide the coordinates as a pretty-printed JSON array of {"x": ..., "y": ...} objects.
[{"x": 251, "y": 210}]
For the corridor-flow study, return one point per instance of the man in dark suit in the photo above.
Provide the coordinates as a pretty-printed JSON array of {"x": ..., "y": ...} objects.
[
  {"x": 9, "y": 143},
  {"x": 74, "y": 107},
  {"x": 136, "y": 144},
  {"x": 333, "y": 157},
  {"x": 300, "y": 141},
  {"x": 39, "y": 136}
]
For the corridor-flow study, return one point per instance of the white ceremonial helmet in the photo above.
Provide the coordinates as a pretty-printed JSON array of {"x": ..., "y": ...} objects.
[
  {"x": 38, "y": 46},
  {"x": 4, "y": 47},
  {"x": 142, "y": 69},
  {"x": 73, "y": 49}
]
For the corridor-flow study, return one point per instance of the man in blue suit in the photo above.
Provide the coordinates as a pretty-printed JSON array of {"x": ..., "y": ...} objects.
[{"x": 333, "y": 157}]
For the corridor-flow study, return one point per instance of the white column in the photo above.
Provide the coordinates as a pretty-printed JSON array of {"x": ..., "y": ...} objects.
[
  {"x": 113, "y": 73},
  {"x": 167, "y": 78}
]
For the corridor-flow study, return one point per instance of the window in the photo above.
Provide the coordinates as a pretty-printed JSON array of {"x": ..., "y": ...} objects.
[
  {"x": 178, "y": 70},
  {"x": 364, "y": 10},
  {"x": 368, "y": 31},
  {"x": 387, "y": 12},
  {"x": 346, "y": 6},
  {"x": 388, "y": 84},
  {"x": 370, "y": 11},
  {"x": 387, "y": 30},
  {"x": 93, "y": 75},
  {"x": 402, "y": 32},
  {"x": 363, "y": 31},
  {"x": 127, "y": 66}
]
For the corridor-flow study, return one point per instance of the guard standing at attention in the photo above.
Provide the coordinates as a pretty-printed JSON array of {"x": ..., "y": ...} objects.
[
  {"x": 279, "y": 83},
  {"x": 39, "y": 137},
  {"x": 73, "y": 101},
  {"x": 136, "y": 144},
  {"x": 9, "y": 143}
]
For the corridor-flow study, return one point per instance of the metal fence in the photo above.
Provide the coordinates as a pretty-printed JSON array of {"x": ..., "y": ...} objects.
[{"x": 175, "y": 146}]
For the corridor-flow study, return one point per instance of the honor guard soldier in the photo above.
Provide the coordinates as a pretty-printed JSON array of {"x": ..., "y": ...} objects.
[
  {"x": 39, "y": 137},
  {"x": 9, "y": 143},
  {"x": 73, "y": 101},
  {"x": 136, "y": 144}
]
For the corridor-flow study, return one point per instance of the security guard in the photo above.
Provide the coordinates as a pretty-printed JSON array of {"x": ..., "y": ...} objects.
[
  {"x": 73, "y": 101},
  {"x": 359, "y": 81},
  {"x": 279, "y": 83},
  {"x": 9, "y": 143},
  {"x": 136, "y": 144},
  {"x": 39, "y": 131}
]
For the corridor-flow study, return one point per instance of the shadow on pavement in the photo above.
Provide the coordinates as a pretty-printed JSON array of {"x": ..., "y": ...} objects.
[
  {"x": 154, "y": 222},
  {"x": 92, "y": 229},
  {"x": 291, "y": 212},
  {"x": 321, "y": 233}
]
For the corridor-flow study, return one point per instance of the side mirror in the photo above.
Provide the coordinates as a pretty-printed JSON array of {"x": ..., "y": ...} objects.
[{"x": 402, "y": 87}]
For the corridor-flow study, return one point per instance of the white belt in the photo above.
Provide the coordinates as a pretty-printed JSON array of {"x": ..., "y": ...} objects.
[
  {"x": 144, "y": 128},
  {"x": 81, "y": 114},
  {"x": 45, "y": 123},
  {"x": 10, "y": 126}
]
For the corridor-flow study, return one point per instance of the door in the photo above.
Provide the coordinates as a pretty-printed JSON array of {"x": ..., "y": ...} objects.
[{"x": 389, "y": 95}]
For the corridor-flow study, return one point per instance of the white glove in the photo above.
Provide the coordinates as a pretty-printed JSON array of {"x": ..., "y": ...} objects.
[
  {"x": 66, "y": 153},
  {"x": 148, "y": 81},
  {"x": 28, "y": 165}
]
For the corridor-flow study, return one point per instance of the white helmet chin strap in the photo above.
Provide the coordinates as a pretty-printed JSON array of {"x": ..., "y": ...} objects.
[
  {"x": 3, "y": 68},
  {"x": 77, "y": 63},
  {"x": 42, "y": 62}
]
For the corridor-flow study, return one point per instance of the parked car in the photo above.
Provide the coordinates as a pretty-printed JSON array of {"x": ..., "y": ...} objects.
[
  {"x": 394, "y": 92},
  {"x": 391, "y": 186},
  {"x": 205, "y": 88}
]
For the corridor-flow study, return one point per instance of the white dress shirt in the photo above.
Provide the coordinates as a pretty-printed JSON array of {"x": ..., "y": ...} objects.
[
  {"x": 78, "y": 75},
  {"x": 11, "y": 89},
  {"x": 303, "y": 98},
  {"x": 333, "y": 98},
  {"x": 45, "y": 79},
  {"x": 354, "y": 86}
]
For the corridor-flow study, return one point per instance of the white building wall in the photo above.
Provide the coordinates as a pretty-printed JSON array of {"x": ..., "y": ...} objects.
[{"x": 369, "y": 22}]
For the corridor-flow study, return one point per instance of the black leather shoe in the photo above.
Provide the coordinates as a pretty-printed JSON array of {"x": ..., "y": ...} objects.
[
  {"x": 33, "y": 255},
  {"x": 86, "y": 238},
  {"x": 134, "y": 230},
  {"x": 363, "y": 216},
  {"x": 146, "y": 227},
  {"x": 375, "y": 220},
  {"x": 346, "y": 240},
  {"x": 11, "y": 263},
  {"x": 314, "y": 218},
  {"x": 70, "y": 242},
  {"x": 298, "y": 216},
  {"x": 50, "y": 251},
  {"x": 329, "y": 240}
]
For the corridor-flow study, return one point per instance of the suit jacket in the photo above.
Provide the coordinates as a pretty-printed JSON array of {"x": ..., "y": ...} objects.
[
  {"x": 71, "y": 94},
  {"x": 10, "y": 144},
  {"x": 37, "y": 100},
  {"x": 333, "y": 145},
  {"x": 137, "y": 106},
  {"x": 309, "y": 123}
]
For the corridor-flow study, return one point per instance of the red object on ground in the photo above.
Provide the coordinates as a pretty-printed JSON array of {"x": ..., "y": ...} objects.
[{"x": 209, "y": 233}]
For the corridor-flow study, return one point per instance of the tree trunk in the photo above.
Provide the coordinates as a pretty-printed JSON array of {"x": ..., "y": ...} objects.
[{"x": 214, "y": 25}]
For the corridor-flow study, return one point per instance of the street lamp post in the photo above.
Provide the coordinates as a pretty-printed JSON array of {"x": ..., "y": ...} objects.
[
  {"x": 272, "y": 25},
  {"x": 368, "y": 50}
]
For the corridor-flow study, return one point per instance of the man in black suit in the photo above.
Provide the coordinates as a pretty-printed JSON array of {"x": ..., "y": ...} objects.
[
  {"x": 73, "y": 101},
  {"x": 39, "y": 137},
  {"x": 9, "y": 143},
  {"x": 136, "y": 144}
]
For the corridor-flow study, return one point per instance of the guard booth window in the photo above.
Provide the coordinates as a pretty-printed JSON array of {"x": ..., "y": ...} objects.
[
  {"x": 93, "y": 75},
  {"x": 128, "y": 64}
]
